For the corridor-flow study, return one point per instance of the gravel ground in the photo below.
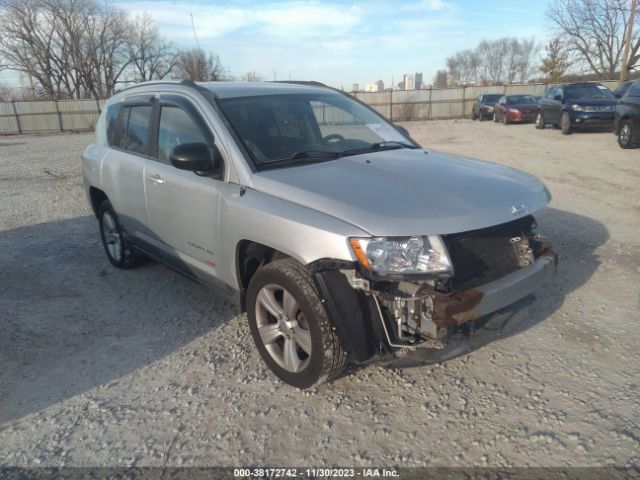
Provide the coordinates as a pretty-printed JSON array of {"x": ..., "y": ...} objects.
[{"x": 107, "y": 367}]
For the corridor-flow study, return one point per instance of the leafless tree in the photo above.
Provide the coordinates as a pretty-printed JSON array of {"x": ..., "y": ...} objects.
[
  {"x": 152, "y": 56},
  {"x": 493, "y": 62},
  {"x": 198, "y": 66},
  {"x": 67, "y": 48},
  {"x": 595, "y": 32}
]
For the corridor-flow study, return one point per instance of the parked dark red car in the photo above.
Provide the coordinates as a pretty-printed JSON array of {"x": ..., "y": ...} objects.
[{"x": 515, "y": 109}]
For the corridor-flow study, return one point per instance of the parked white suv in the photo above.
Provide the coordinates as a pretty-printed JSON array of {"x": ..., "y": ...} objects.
[{"x": 341, "y": 237}]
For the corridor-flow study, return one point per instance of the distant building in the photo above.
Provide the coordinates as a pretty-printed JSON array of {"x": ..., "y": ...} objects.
[
  {"x": 371, "y": 87},
  {"x": 409, "y": 81},
  {"x": 355, "y": 87},
  {"x": 419, "y": 82},
  {"x": 380, "y": 84}
]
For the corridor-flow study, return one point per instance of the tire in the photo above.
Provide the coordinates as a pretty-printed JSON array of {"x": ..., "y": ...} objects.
[
  {"x": 119, "y": 250},
  {"x": 540, "y": 123},
  {"x": 626, "y": 135},
  {"x": 565, "y": 124},
  {"x": 505, "y": 119},
  {"x": 311, "y": 329}
]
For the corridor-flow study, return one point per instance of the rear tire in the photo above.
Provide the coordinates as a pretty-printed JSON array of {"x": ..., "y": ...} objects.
[
  {"x": 540, "y": 122},
  {"x": 565, "y": 124},
  {"x": 626, "y": 135},
  {"x": 119, "y": 249},
  {"x": 300, "y": 345}
]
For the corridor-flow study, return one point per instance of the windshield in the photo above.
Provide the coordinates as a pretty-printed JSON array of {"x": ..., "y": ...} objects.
[
  {"x": 298, "y": 128},
  {"x": 521, "y": 100},
  {"x": 490, "y": 99},
  {"x": 589, "y": 92}
]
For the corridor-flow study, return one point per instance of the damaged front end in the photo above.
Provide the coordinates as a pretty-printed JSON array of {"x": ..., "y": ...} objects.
[{"x": 492, "y": 268}]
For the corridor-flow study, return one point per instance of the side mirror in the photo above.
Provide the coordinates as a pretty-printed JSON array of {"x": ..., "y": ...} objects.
[
  {"x": 558, "y": 98},
  {"x": 403, "y": 130},
  {"x": 617, "y": 95},
  {"x": 196, "y": 157}
]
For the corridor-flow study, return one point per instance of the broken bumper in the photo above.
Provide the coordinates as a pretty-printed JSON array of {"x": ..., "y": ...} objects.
[{"x": 461, "y": 307}]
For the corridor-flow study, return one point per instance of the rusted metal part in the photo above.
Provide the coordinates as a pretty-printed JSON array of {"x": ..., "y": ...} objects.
[{"x": 454, "y": 308}]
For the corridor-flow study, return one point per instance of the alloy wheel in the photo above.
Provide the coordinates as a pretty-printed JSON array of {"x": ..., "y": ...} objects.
[
  {"x": 112, "y": 238},
  {"x": 282, "y": 327},
  {"x": 625, "y": 134}
]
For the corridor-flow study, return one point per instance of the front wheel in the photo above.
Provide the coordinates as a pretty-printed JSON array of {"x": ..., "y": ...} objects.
[
  {"x": 626, "y": 135},
  {"x": 290, "y": 327},
  {"x": 565, "y": 124},
  {"x": 540, "y": 123}
]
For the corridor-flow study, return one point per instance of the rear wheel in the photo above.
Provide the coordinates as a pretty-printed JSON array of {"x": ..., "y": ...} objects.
[
  {"x": 540, "y": 122},
  {"x": 565, "y": 124},
  {"x": 119, "y": 250},
  {"x": 290, "y": 327},
  {"x": 626, "y": 137}
]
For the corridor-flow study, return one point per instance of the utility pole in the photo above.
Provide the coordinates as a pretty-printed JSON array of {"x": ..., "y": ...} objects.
[{"x": 627, "y": 44}]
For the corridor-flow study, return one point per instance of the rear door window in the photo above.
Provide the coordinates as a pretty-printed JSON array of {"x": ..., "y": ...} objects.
[
  {"x": 634, "y": 89},
  {"x": 137, "y": 119}
]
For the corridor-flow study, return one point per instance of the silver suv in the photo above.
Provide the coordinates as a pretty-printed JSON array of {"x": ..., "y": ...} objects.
[{"x": 342, "y": 239}]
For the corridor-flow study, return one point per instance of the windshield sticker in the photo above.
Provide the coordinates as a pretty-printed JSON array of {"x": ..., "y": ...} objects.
[{"x": 386, "y": 132}]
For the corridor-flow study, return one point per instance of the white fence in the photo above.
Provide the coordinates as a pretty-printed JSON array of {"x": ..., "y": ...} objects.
[
  {"x": 399, "y": 105},
  {"x": 49, "y": 116}
]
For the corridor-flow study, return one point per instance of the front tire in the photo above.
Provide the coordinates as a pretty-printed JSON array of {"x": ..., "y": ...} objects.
[
  {"x": 540, "y": 122},
  {"x": 626, "y": 136},
  {"x": 120, "y": 251},
  {"x": 290, "y": 327},
  {"x": 565, "y": 124}
]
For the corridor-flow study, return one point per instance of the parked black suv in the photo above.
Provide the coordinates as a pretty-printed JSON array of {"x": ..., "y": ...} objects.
[
  {"x": 627, "y": 118},
  {"x": 483, "y": 106},
  {"x": 577, "y": 106}
]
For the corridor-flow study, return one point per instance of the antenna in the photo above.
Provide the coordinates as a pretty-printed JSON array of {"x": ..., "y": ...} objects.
[{"x": 193, "y": 25}]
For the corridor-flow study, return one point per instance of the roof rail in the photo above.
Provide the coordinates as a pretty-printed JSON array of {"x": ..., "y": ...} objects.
[
  {"x": 302, "y": 82},
  {"x": 185, "y": 83}
]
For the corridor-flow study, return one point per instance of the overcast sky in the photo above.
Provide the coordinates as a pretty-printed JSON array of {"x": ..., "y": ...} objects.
[{"x": 338, "y": 42}]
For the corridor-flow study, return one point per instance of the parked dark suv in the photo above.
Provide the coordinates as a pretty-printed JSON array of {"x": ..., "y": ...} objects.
[
  {"x": 577, "y": 106},
  {"x": 627, "y": 118},
  {"x": 483, "y": 106}
]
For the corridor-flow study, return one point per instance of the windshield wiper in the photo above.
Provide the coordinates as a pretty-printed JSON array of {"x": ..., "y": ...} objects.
[
  {"x": 312, "y": 155},
  {"x": 378, "y": 147}
]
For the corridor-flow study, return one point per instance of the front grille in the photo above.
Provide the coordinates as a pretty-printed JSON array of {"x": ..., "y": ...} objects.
[{"x": 481, "y": 256}]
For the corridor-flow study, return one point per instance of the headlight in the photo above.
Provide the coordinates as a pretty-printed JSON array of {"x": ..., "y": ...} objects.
[
  {"x": 402, "y": 254},
  {"x": 514, "y": 110},
  {"x": 578, "y": 108},
  {"x": 489, "y": 107}
]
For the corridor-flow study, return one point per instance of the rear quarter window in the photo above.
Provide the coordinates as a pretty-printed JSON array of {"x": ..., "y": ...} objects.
[{"x": 114, "y": 128}]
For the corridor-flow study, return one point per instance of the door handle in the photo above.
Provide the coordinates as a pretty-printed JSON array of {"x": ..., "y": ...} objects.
[{"x": 155, "y": 179}]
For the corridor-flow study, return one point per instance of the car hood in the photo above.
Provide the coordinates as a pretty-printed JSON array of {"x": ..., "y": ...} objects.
[
  {"x": 408, "y": 192},
  {"x": 592, "y": 103},
  {"x": 525, "y": 107}
]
